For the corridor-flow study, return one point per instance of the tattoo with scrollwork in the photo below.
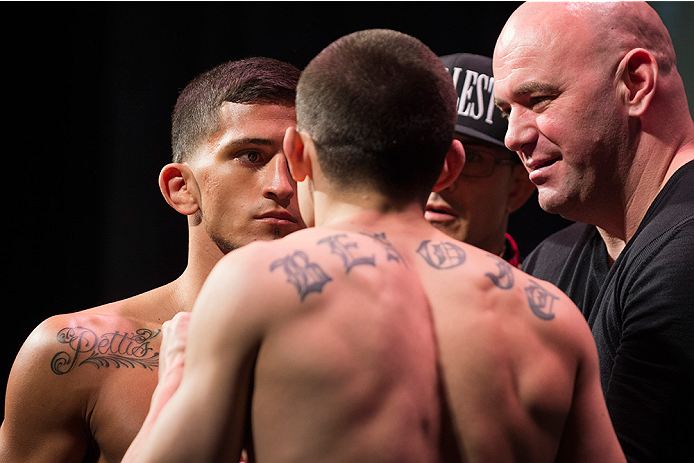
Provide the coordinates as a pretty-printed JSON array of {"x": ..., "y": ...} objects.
[
  {"x": 342, "y": 249},
  {"x": 391, "y": 252},
  {"x": 442, "y": 255},
  {"x": 504, "y": 279},
  {"x": 118, "y": 349},
  {"x": 306, "y": 276},
  {"x": 540, "y": 301}
]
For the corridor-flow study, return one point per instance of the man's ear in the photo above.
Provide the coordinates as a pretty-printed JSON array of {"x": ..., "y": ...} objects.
[
  {"x": 177, "y": 184},
  {"x": 638, "y": 73},
  {"x": 296, "y": 145},
  {"x": 452, "y": 166},
  {"x": 521, "y": 188}
]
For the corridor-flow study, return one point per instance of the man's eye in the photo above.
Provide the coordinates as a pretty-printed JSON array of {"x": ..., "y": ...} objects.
[
  {"x": 539, "y": 101},
  {"x": 472, "y": 156},
  {"x": 250, "y": 156}
]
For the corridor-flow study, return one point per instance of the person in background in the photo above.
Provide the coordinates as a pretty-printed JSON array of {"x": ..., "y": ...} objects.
[
  {"x": 493, "y": 184},
  {"x": 598, "y": 112},
  {"x": 81, "y": 385}
]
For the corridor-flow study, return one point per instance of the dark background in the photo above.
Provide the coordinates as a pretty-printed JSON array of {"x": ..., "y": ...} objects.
[{"x": 89, "y": 88}]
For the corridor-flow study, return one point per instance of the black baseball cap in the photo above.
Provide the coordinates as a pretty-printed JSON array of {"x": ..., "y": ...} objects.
[{"x": 478, "y": 117}]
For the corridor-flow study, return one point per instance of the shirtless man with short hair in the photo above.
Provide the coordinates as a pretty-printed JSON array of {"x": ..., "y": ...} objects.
[
  {"x": 373, "y": 336},
  {"x": 82, "y": 383}
]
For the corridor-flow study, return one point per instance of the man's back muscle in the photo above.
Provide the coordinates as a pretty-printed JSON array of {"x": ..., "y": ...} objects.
[{"x": 350, "y": 372}]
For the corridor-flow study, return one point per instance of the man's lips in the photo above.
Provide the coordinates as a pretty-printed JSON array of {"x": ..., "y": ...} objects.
[
  {"x": 539, "y": 168},
  {"x": 278, "y": 218},
  {"x": 438, "y": 213}
]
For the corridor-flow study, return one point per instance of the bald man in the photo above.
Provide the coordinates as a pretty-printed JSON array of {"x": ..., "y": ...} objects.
[{"x": 598, "y": 113}]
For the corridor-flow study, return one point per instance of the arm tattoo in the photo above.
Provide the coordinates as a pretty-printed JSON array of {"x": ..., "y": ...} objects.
[
  {"x": 306, "y": 276},
  {"x": 120, "y": 349},
  {"x": 391, "y": 252},
  {"x": 540, "y": 301},
  {"x": 442, "y": 255},
  {"x": 343, "y": 251},
  {"x": 504, "y": 279}
]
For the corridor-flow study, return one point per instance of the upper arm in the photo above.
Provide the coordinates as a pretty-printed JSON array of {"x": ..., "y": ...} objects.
[
  {"x": 653, "y": 343},
  {"x": 588, "y": 433},
  {"x": 205, "y": 418},
  {"x": 43, "y": 411}
]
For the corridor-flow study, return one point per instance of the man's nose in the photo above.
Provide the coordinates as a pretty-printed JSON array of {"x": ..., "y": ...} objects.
[
  {"x": 278, "y": 181},
  {"x": 521, "y": 133}
]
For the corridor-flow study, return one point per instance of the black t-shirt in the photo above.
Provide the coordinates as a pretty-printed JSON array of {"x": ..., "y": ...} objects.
[{"x": 641, "y": 312}]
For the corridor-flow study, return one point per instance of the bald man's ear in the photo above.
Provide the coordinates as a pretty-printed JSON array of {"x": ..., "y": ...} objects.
[
  {"x": 296, "y": 147},
  {"x": 521, "y": 188},
  {"x": 452, "y": 166},
  {"x": 179, "y": 188},
  {"x": 638, "y": 74}
]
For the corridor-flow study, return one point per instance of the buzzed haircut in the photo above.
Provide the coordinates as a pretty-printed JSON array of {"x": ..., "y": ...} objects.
[
  {"x": 380, "y": 108},
  {"x": 248, "y": 81}
]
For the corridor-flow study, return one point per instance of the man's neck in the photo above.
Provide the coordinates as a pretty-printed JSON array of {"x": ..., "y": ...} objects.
[
  {"x": 617, "y": 238},
  {"x": 363, "y": 208},
  {"x": 614, "y": 246}
]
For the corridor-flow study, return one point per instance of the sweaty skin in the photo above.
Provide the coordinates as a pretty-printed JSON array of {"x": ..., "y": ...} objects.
[{"x": 376, "y": 337}]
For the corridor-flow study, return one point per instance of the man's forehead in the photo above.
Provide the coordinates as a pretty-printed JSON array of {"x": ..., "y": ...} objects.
[
  {"x": 243, "y": 124},
  {"x": 241, "y": 112}
]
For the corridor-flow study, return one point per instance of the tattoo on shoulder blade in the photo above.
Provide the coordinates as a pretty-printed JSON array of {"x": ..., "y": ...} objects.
[
  {"x": 442, "y": 255},
  {"x": 342, "y": 249},
  {"x": 307, "y": 277},
  {"x": 540, "y": 300},
  {"x": 391, "y": 252},
  {"x": 118, "y": 349},
  {"x": 504, "y": 279}
]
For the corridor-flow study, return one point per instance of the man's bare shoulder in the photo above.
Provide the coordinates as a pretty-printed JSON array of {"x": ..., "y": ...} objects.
[
  {"x": 477, "y": 287},
  {"x": 122, "y": 334},
  {"x": 300, "y": 271},
  {"x": 72, "y": 374}
]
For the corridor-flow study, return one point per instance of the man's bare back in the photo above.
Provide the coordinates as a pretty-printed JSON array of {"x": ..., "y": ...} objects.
[{"x": 334, "y": 328}]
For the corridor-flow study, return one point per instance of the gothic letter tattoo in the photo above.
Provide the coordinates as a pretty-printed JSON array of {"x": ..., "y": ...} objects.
[
  {"x": 343, "y": 250},
  {"x": 443, "y": 255},
  {"x": 391, "y": 252},
  {"x": 307, "y": 277},
  {"x": 504, "y": 279},
  {"x": 120, "y": 349},
  {"x": 540, "y": 301}
]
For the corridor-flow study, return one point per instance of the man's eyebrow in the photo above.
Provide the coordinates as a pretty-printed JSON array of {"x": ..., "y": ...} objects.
[
  {"x": 251, "y": 141},
  {"x": 530, "y": 87}
]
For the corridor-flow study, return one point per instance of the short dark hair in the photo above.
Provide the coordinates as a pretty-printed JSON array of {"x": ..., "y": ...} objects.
[
  {"x": 380, "y": 108},
  {"x": 248, "y": 81}
]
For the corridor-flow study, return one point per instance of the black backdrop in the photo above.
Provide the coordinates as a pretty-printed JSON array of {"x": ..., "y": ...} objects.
[{"x": 88, "y": 92}]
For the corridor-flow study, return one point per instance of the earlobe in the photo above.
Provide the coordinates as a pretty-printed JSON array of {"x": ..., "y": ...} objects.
[
  {"x": 177, "y": 182},
  {"x": 452, "y": 166},
  {"x": 638, "y": 71}
]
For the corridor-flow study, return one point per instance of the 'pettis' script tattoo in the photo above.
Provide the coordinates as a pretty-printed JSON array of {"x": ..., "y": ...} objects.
[
  {"x": 118, "y": 349},
  {"x": 342, "y": 249},
  {"x": 306, "y": 276},
  {"x": 391, "y": 252},
  {"x": 443, "y": 255},
  {"x": 504, "y": 279},
  {"x": 540, "y": 301}
]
